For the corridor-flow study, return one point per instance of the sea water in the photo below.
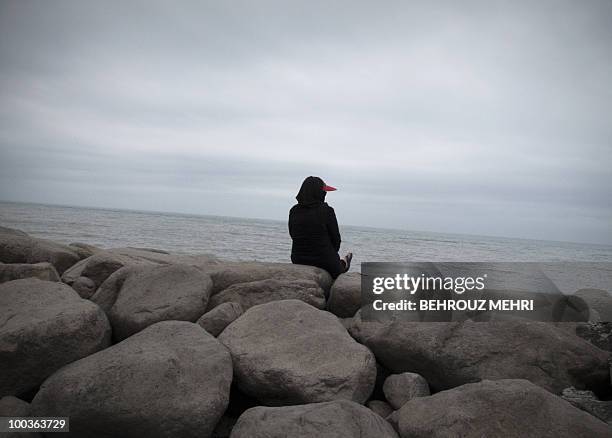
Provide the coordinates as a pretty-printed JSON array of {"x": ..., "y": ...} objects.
[{"x": 268, "y": 240}]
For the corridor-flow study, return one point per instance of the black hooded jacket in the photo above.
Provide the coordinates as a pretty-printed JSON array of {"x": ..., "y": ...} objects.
[{"x": 314, "y": 229}]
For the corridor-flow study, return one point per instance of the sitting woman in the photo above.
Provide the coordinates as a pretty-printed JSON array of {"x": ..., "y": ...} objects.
[{"x": 314, "y": 229}]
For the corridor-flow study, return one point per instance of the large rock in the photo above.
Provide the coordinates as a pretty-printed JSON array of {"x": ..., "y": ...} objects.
[
  {"x": 215, "y": 321},
  {"x": 16, "y": 271},
  {"x": 588, "y": 402},
  {"x": 89, "y": 274},
  {"x": 101, "y": 265},
  {"x": 288, "y": 352},
  {"x": 43, "y": 326},
  {"x": 228, "y": 273},
  {"x": 84, "y": 286},
  {"x": 508, "y": 408},
  {"x": 224, "y": 274},
  {"x": 84, "y": 250},
  {"x": 451, "y": 354},
  {"x": 13, "y": 407},
  {"x": 264, "y": 291},
  {"x": 345, "y": 295},
  {"x": 136, "y": 297},
  {"x": 380, "y": 407},
  {"x": 171, "y": 379},
  {"x": 18, "y": 247},
  {"x": 399, "y": 388},
  {"x": 335, "y": 419}
]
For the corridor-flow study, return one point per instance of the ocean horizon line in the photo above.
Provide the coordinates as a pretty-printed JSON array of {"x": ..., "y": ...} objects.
[{"x": 207, "y": 215}]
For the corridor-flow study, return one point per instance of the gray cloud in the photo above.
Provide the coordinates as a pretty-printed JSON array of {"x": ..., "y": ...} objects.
[{"x": 479, "y": 117}]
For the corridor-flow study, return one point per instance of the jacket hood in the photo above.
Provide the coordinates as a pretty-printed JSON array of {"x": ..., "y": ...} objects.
[{"x": 311, "y": 192}]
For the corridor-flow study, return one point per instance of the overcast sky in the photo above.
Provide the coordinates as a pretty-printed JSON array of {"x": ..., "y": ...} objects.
[{"x": 485, "y": 117}]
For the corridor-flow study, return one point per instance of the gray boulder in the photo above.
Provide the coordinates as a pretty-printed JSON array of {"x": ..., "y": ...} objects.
[
  {"x": 334, "y": 419},
  {"x": 16, "y": 271},
  {"x": 85, "y": 287},
  {"x": 399, "y": 388},
  {"x": 96, "y": 269},
  {"x": 345, "y": 295},
  {"x": 451, "y": 354},
  {"x": 588, "y": 402},
  {"x": 13, "y": 407},
  {"x": 136, "y": 297},
  {"x": 215, "y": 321},
  {"x": 43, "y": 326},
  {"x": 508, "y": 408},
  {"x": 288, "y": 352},
  {"x": 228, "y": 273},
  {"x": 171, "y": 379},
  {"x": 18, "y": 247},
  {"x": 380, "y": 407},
  {"x": 84, "y": 250},
  {"x": 102, "y": 264},
  {"x": 264, "y": 291},
  {"x": 223, "y": 273}
]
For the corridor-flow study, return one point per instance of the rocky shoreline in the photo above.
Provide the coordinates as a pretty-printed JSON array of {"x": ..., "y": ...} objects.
[{"x": 132, "y": 342}]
